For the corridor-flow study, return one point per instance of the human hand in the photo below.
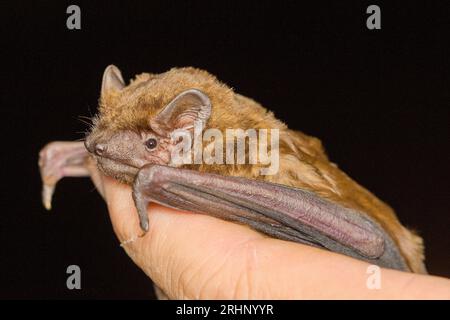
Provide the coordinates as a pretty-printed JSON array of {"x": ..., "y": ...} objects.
[{"x": 194, "y": 256}]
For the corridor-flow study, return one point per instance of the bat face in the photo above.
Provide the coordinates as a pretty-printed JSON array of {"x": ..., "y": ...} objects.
[
  {"x": 120, "y": 146},
  {"x": 120, "y": 154}
]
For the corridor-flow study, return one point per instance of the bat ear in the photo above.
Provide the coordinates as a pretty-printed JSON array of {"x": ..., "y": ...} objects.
[
  {"x": 112, "y": 80},
  {"x": 181, "y": 113}
]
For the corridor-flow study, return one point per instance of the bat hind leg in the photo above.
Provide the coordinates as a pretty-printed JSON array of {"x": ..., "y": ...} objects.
[{"x": 60, "y": 159}]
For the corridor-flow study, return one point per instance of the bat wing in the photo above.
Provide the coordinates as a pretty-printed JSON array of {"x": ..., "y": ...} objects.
[{"x": 276, "y": 210}]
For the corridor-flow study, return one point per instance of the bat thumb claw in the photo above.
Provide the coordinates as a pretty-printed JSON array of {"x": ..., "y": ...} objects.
[{"x": 144, "y": 227}]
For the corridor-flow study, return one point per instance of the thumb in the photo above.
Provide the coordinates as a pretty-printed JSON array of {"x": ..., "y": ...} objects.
[{"x": 191, "y": 255}]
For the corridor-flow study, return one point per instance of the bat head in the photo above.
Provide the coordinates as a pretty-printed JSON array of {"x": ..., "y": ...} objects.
[{"x": 136, "y": 123}]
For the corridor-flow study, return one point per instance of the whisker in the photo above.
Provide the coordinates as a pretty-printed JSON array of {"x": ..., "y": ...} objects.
[
  {"x": 85, "y": 122},
  {"x": 89, "y": 110},
  {"x": 86, "y": 118}
]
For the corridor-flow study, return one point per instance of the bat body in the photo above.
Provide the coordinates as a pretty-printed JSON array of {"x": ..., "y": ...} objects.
[{"x": 308, "y": 200}]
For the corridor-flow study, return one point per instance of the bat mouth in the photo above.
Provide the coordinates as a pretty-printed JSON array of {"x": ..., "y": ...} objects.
[{"x": 117, "y": 169}]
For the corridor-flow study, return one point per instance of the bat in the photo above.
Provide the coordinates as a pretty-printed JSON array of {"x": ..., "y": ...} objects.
[{"x": 308, "y": 199}]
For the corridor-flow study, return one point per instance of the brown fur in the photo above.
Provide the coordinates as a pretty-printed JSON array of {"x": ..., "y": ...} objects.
[{"x": 303, "y": 162}]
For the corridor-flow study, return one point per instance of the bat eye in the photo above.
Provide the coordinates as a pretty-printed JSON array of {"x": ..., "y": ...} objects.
[{"x": 151, "y": 143}]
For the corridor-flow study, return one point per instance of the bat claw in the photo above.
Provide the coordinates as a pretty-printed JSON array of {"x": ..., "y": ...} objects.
[
  {"x": 144, "y": 226},
  {"x": 47, "y": 194}
]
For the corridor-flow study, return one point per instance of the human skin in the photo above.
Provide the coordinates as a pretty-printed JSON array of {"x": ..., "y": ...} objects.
[{"x": 194, "y": 256}]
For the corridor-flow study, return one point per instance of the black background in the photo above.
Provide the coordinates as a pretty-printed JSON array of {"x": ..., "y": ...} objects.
[{"x": 377, "y": 99}]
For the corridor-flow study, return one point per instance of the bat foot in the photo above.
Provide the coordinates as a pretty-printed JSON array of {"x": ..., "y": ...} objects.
[{"x": 57, "y": 160}]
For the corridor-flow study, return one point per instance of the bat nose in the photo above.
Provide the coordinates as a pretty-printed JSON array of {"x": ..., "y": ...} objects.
[{"x": 100, "y": 149}]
